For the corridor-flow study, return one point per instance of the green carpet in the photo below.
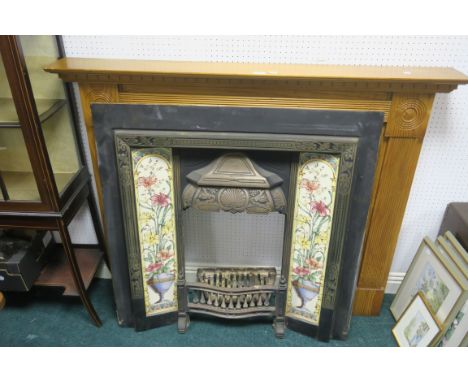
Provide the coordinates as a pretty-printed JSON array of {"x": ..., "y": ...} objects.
[{"x": 41, "y": 319}]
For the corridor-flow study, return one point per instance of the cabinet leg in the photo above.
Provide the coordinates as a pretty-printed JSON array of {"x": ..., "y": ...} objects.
[
  {"x": 93, "y": 209},
  {"x": 70, "y": 253},
  {"x": 2, "y": 301}
]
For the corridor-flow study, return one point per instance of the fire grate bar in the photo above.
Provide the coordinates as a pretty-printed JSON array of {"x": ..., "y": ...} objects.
[
  {"x": 232, "y": 314},
  {"x": 233, "y": 291}
]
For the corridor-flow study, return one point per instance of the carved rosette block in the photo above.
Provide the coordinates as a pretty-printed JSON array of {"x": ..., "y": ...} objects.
[
  {"x": 409, "y": 115},
  {"x": 101, "y": 93},
  {"x": 233, "y": 183}
]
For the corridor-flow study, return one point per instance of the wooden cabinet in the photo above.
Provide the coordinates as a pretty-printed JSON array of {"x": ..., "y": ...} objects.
[{"x": 43, "y": 179}]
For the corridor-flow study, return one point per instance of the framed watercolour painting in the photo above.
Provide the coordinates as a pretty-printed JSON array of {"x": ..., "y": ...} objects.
[
  {"x": 439, "y": 280},
  {"x": 417, "y": 327},
  {"x": 456, "y": 334}
]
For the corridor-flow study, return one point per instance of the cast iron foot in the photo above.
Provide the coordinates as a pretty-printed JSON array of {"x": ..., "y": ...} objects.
[
  {"x": 279, "y": 327},
  {"x": 183, "y": 322}
]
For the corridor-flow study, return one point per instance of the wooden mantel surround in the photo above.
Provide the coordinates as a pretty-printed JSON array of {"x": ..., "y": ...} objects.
[{"x": 404, "y": 94}]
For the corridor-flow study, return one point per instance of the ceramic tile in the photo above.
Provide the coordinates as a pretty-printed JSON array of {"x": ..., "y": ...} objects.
[
  {"x": 152, "y": 170},
  {"x": 313, "y": 215}
]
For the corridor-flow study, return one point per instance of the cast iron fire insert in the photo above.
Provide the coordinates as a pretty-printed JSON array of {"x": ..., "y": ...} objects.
[{"x": 322, "y": 185}]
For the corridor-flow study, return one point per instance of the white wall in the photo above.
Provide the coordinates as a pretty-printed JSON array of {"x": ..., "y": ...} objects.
[{"x": 442, "y": 172}]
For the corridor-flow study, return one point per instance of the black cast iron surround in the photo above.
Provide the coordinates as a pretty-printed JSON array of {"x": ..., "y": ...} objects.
[{"x": 363, "y": 125}]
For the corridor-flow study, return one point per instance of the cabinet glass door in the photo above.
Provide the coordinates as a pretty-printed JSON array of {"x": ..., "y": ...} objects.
[
  {"x": 53, "y": 108},
  {"x": 17, "y": 182}
]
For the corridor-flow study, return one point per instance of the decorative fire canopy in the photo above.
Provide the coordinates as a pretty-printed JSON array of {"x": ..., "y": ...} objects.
[{"x": 234, "y": 183}]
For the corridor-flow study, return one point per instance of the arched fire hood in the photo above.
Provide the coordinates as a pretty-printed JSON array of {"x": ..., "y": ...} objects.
[{"x": 234, "y": 183}]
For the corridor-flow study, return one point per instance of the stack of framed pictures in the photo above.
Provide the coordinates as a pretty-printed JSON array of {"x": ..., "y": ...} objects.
[{"x": 431, "y": 306}]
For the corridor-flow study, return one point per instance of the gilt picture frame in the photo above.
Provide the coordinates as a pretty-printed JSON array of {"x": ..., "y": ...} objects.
[
  {"x": 447, "y": 247},
  {"x": 452, "y": 240},
  {"x": 417, "y": 326},
  {"x": 437, "y": 277},
  {"x": 456, "y": 334}
]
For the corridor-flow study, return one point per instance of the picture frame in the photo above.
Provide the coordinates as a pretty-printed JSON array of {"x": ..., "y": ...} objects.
[
  {"x": 438, "y": 278},
  {"x": 450, "y": 237},
  {"x": 456, "y": 334},
  {"x": 417, "y": 326},
  {"x": 444, "y": 245}
]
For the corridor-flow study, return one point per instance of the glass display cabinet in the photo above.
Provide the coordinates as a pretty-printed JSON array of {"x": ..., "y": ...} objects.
[{"x": 43, "y": 179}]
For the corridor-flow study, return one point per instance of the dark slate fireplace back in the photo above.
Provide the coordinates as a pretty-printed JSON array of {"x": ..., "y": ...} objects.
[{"x": 284, "y": 141}]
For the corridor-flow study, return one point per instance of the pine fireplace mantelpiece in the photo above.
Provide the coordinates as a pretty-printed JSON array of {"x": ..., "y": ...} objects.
[{"x": 404, "y": 94}]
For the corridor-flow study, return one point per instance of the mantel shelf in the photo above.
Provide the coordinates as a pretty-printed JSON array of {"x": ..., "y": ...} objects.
[{"x": 133, "y": 71}]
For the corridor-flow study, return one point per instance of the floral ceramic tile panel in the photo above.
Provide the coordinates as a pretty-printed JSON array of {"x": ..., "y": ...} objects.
[
  {"x": 313, "y": 212},
  {"x": 152, "y": 171}
]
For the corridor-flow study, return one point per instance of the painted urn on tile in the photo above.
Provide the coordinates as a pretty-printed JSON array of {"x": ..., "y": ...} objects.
[
  {"x": 306, "y": 290},
  {"x": 161, "y": 283}
]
